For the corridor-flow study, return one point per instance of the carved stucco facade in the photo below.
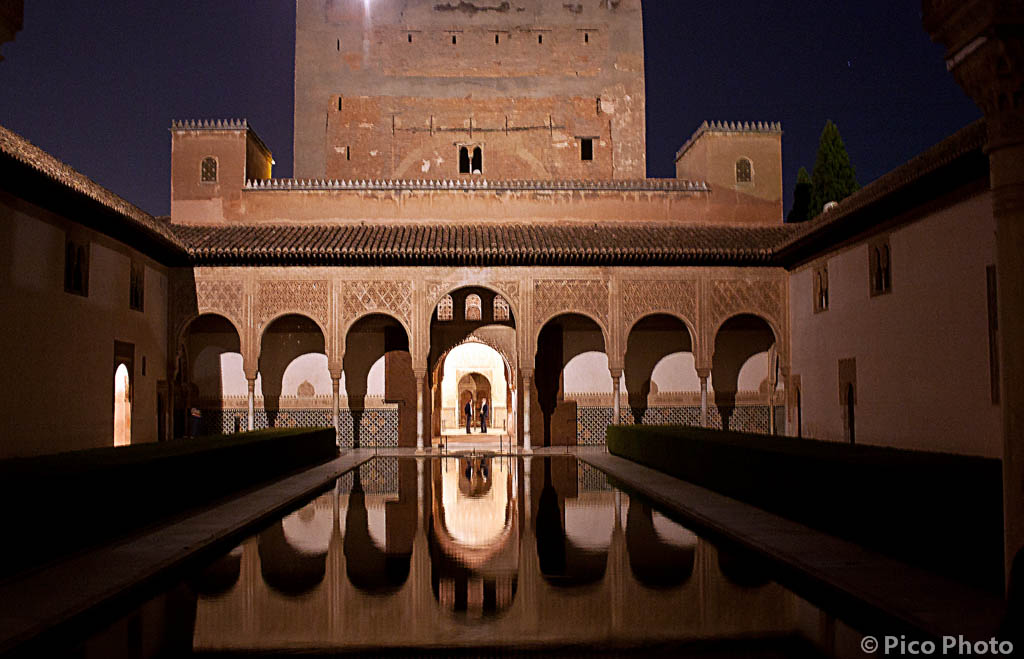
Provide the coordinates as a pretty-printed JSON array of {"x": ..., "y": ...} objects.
[{"x": 614, "y": 298}]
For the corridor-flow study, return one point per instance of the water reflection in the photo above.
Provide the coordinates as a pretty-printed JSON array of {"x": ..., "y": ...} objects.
[{"x": 476, "y": 550}]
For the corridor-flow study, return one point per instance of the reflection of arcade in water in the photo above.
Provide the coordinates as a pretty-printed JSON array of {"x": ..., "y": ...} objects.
[{"x": 479, "y": 551}]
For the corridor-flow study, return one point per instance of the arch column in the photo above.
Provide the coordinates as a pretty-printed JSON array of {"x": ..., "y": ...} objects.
[
  {"x": 527, "y": 375},
  {"x": 250, "y": 378},
  {"x": 985, "y": 53},
  {"x": 616, "y": 402},
  {"x": 703, "y": 373},
  {"x": 421, "y": 377},
  {"x": 336, "y": 373}
]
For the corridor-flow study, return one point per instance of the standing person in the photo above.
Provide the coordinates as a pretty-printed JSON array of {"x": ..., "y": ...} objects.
[
  {"x": 483, "y": 416},
  {"x": 469, "y": 414}
]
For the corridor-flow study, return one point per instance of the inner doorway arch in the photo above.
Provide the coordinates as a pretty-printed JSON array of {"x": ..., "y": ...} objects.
[{"x": 474, "y": 388}]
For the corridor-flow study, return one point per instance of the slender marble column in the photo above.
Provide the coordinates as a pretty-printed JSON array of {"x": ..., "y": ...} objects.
[
  {"x": 252, "y": 404},
  {"x": 527, "y": 383},
  {"x": 703, "y": 397},
  {"x": 616, "y": 403},
  {"x": 420, "y": 378},
  {"x": 336, "y": 417}
]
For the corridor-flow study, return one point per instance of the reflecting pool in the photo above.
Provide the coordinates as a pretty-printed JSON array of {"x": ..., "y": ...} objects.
[{"x": 466, "y": 552}]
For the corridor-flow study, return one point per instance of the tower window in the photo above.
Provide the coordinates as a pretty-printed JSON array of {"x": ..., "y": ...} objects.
[
  {"x": 339, "y": 45},
  {"x": 208, "y": 170},
  {"x": 455, "y": 39},
  {"x": 586, "y": 37},
  {"x": 540, "y": 38},
  {"x": 744, "y": 171},
  {"x": 464, "y": 160},
  {"x": 587, "y": 148},
  {"x": 348, "y": 153},
  {"x": 339, "y": 103},
  {"x": 497, "y": 38},
  {"x": 410, "y": 37},
  {"x": 478, "y": 161}
]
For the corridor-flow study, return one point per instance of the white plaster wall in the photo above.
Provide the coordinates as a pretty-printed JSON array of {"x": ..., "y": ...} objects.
[
  {"x": 57, "y": 382},
  {"x": 921, "y": 351}
]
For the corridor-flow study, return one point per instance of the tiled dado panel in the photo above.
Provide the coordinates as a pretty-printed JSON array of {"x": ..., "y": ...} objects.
[
  {"x": 377, "y": 427},
  {"x": 592, "y": 422}
]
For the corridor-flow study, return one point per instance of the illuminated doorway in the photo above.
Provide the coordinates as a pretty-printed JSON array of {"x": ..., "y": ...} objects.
[{"x": 122, "y": 407}]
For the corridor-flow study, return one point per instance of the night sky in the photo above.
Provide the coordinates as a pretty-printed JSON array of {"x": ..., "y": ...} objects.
[{"x": 98, "y": 83}]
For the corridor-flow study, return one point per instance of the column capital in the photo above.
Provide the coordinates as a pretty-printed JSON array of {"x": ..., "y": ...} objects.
[
  {"x": 420, "y": 373},
  {"x": 526, "y": 373},
  {"x": 703, "y": 373},
  {"x": 616, "y": 372}
]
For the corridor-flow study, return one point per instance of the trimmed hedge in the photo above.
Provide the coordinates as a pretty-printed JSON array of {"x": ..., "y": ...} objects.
[
  {"x": 940, "y": 511},
  {"x": 62, "y": 503}
]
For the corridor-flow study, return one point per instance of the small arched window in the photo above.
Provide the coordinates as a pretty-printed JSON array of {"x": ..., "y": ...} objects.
[
  {"x": 744, "y": 171},
  {"x": 478, "y": 161},
  {"x": 446, "y": 309},
  {"x": 474, "y": 307},
  {"x": 208, "y": 171},
  {"x": 464, "y": 160},
  {"x": 501, "y": 309}
]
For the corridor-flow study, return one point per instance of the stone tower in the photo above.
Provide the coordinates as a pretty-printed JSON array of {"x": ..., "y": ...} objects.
[{"x": 433, "y": 89}]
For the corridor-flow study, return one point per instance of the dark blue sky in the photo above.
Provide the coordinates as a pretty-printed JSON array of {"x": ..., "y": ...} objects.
[{"x": 98, "y": 83}]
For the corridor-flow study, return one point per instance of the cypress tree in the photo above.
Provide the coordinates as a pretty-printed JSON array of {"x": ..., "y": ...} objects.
[
  {"x": 801, "y": 210},
  {"x": 834, "y": 178}
]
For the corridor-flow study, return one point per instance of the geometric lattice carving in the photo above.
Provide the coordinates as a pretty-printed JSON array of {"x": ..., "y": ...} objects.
[
  {"x": 309, "y": 297},
  {"x": 640, "y": 298},
  {"x": 359, "y": 297},
  {"x": 570, "y": 295},
  {"x": 501, "y": 310},
  {"x": 446, "y": 309},
  {"x": 729, "y": 297},
  {"x": 225, "y": 296},
  {"x": 474, "y": 307}
]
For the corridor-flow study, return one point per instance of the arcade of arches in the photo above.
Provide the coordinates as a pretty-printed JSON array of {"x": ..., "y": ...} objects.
[{"x": 391, "y": 360}]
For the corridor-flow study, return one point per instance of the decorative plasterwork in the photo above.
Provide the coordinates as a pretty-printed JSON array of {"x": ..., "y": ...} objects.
[
  {"x": 730, "y": 297},
  {"x": 312, "y": 298},
  {"x": 358, "y": 298},
  {"x": 642, "y": 298},
  {"x": 554, "y": 296},
  {"x": 219, "y": 295}
]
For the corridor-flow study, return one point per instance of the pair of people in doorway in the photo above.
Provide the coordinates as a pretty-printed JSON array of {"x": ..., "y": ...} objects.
[{"x": 468, "y": 411}]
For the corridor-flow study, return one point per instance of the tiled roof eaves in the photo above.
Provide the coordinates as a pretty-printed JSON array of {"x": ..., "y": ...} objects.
[
  {"x": 958, "y": 155},
  {"x": 19, "y": 152},
  {"x": 461, "y": 245}
]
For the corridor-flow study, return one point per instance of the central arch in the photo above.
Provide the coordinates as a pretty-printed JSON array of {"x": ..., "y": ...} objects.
[{"x": 485, "y": 320}]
